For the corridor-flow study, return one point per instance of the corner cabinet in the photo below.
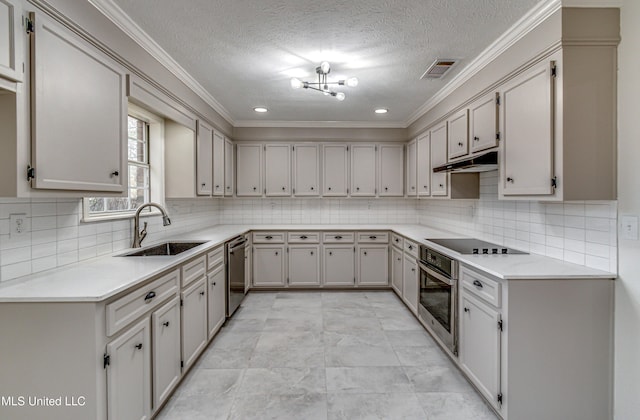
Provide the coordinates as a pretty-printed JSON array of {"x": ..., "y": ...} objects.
[
  {"x": 79, "y": 113},
  {"x": 10, "y": 40}
]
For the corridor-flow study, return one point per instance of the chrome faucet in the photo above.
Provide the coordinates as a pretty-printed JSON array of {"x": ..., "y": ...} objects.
[{"x": 139, "y": 235}]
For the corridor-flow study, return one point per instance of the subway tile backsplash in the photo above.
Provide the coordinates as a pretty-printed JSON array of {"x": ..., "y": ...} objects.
[{"x": 580, "y": 232}]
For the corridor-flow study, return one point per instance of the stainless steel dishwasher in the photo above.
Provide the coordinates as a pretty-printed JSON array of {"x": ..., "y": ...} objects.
[{"x": 235, "y": 273}]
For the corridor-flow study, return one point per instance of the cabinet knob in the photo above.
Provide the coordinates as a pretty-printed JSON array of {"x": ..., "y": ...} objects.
[
  {"x": 424, "y": 186},
  {"x": 460, "y": 144},
  {"x": 150, "y": 296},
  {"x": 509, "y": 179},
  {"x": 276, "y": 252},
  {"x": 365, "y": 252},
  {"x": 230, "y": 188},
  {"x": 397, "y": 240},
  {"x": 311, "y": 188},
  {"x": 166, "y": 324},
  {"x": 114, "y": 173},
  {"x": 203, "y": 185},
  {"x": 329, "y": 188},
  {"x": 413, "y": 187},
  {"x": 311, "y": 252},
  {"x": 213, "y": 283},
  {"x": 283, "y": 188},
  {"x": 386, "y": 188},
  {"x": 357, "y": 188},
  {"x": 441, "y": 185},
  {"x": 398, "y": 259},
  {"x": 467, "y": 310},
  {"x": 217, "y": 186},
  {"x": 330, "y": 253},
  {"x": 254, "y": 188},
  {"x": 139, "y": 346},
  {"x": 476, "y": 138},
  {"x": 202, "y": 293},
  {"x": 410, "y": 247},
  {"x": 413, "y": 269}
]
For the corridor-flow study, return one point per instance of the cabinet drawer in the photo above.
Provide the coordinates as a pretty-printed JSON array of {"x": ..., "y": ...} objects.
[
  {"x": 411, "y": 248},
  {"x": 481, "y": 286},
  {"x": 193, "y": 270},
  {"x": 215, "y": 258},
  {"x": 373, "y": 237},
  {"x": 268, "y": 237},
  {"x": 337, "y": 237},
  {"x": 304, "y": 237},
  {"x": 128, "y": 308},
  {"x": 397, "y": 240}
]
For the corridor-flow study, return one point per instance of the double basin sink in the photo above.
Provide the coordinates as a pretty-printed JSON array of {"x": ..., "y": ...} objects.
[{"x": 163, "y": 249}]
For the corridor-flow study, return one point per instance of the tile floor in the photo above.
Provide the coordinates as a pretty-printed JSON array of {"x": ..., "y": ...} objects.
[{"x": 324, "y": 355}]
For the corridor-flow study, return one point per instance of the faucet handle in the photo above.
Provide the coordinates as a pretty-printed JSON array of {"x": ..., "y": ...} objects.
[{"x": 143, "y": 232}]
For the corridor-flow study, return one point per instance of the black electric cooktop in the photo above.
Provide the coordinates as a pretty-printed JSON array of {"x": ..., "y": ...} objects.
[{"x": 474, "y": 246}]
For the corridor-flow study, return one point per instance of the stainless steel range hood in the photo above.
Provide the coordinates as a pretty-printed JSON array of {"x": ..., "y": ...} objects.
[{"x": 481, "y": 163}]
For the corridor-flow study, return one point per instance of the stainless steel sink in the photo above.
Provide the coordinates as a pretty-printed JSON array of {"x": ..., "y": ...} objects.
[{"x": 166, "y": 248}]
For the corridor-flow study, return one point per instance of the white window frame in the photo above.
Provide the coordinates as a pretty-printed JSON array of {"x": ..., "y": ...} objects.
[{"x": 156, "y": 168}]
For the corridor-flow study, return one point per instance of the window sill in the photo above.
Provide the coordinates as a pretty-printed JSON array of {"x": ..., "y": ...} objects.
[{"x": 117, "y": 216}]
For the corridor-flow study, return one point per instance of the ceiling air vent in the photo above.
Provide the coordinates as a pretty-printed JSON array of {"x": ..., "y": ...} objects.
[{"x": 439, "y": 68}]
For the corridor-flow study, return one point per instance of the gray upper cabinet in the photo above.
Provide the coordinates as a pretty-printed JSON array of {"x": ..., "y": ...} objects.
[
  {"x": 363, "y": 170},
  {"x": 391, "y": 170},
  {"x": 229, "y": 166},
  {"x": 411, "y": 174},
  {"x": 483, "y": 122},
  {"x": 249, "y": 166},
  {"x": 424, "y": 165},
  {"x": 277, "y": 170},
  {"x": 458, "y": 135},
  {"x": 335, "y": 161},
  {"x": 218, "y": 164},
  {"x": 306, "y": 170},
  {"x": 204, "y": 159},
  {"x": 439, "y": 180},
  {"x": 79, "y": 113},
  {"x": 10, "y": 64}
]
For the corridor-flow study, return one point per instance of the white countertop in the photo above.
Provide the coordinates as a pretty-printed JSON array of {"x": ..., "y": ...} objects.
[{"x": 101, "y": 278}]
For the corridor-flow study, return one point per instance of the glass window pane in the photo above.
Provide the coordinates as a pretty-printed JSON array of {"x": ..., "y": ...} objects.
[
  {"x": 137, "y": 151},
  {"x": 138, "y": 176},
  {"x": 138, "y": 197},
  {"x": 135, "y": 128},
  {"x": 96, "y": 204},
  {"x": 118, "y": 204}
]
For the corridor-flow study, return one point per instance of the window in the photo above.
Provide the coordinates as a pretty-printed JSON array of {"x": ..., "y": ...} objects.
[{"x": 144, "y": 131}]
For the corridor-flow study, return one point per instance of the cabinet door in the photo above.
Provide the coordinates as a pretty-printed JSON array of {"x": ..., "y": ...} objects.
[
  {"x": 396, "y": 270},
  {"x": 277, "y": 170},
  {"x": 391, "y": 170},
  {"x": 165, "y": 326},
  {"x": 339, "y": 265},
  {"x": 410, "y": 286},
  {"x": 373, "y": 265},
  {"x": 439, "y": 181},
  {"x": 483, "y": 119},
  {"x": 229, "y": 165},
  {"x": 526, "y": 146},
  {"x": 480, "y": 345},
  {"x": 304, "y": 265},
  {"x": 248, "y": 265},
  {"x": 424, "y": 165},
  {"x": 10, "y": 67},
  {"x": 458, "y": 136},
  {"x": 79, "y": 113},
  {"x": 218, "y": 163},
  {"x": 216, "y": 300},
  {"x": 306, "y": 170},
  {"x": 334, "y": 175},
  {"x": 129, "y": 374},
  {"x": 268, "y": 265},
  {"x": 194, "y": 321},
  {"x": 249, "y": 175},
  {"x": 204, "y": 159},
  {"x": 363, "y": 170},
  {"x": 412, "y": 189}
]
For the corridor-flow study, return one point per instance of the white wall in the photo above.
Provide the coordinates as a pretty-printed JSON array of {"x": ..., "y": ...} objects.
[{"x": 627, "y": 315}]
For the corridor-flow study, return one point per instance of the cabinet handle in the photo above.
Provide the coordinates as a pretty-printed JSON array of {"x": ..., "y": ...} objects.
[
  {"x": 114, "y": 173},
  {"x": 509, "y": 179},
  {"x": 413, "y": 269},
  {"x": 460, "y": 144},
  {"x": 150, "y": 295},
  {"x": 202, "y": 293},
  {"x": 477, "y": 284},
  {"x": 166, "y": 324},
  {"x": 338, "y": 237},
  {"x": 410, "y": 247},
  {"x": 467, "y": 310},
  {"x": 217, "y": 186},
  {"x": 476, "y": 138},
  {"x": 139, "y": 346},
  {"x": 268, "y": 237},
  {"x": 303, "y": 237},
  {"x": 373, "y": 237}
]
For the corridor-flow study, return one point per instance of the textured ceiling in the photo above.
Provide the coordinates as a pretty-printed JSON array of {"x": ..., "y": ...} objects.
[{"x": 244, "y": 52}]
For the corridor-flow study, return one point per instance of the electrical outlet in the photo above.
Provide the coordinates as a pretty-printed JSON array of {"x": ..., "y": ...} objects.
[
  {"x": 629, "y": 226},
  {"x": 19, "y": 225}
]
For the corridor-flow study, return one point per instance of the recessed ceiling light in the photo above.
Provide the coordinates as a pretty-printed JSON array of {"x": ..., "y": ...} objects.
[
  {"x": 381, "y": 111},
  {"x": 260, "y": 109}
]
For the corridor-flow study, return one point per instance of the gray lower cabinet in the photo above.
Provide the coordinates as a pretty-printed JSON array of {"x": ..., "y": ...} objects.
[
  {"x": 304, "y": 265},
  {"x": 165, "y": 331},
  {"x": 410, "y": 286},
  {"x": 194, "y": 321},
  {"x": 396, "y": 270},
  {"x": 216, "y": 299},
  {"x": 339, "y": 265},
  {"x": 373, "y": 265},
  {"x": 268, "y": 266},
  {"x": 129, "y": 374}
]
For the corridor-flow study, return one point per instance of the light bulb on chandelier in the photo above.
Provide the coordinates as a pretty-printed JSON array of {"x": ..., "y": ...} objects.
[{"x": 322, "y": 85}]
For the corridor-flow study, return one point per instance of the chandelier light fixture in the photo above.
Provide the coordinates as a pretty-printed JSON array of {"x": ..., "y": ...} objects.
[{"x": 322, "y": 85}]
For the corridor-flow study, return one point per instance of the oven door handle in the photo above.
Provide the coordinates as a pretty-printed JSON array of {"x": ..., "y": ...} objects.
[{"x": 435, "y": 274}]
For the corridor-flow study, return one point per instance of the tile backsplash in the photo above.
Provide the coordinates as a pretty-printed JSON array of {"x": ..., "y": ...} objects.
[{"x": 580, "y": 232}]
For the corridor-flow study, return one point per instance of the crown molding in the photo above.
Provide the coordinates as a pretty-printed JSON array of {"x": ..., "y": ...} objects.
[
  {"x": 523, "y": 26},
  {"x": 318, "y": 124},
  {"x": 115, "y": 14}
]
